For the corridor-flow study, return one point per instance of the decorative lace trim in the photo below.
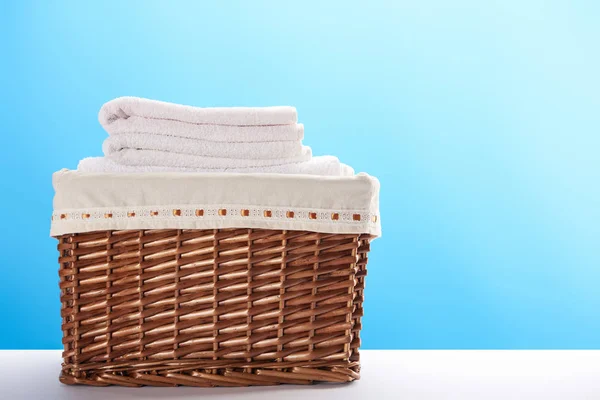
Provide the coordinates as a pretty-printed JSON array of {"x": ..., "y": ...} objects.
[{"x": 212, "y": 213}]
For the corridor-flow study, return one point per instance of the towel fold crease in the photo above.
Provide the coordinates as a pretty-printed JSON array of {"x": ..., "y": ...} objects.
[{"x": 252, "y": 150}]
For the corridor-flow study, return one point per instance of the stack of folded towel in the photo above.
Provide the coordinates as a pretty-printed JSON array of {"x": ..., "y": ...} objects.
[{"x": 148, "y": 136}]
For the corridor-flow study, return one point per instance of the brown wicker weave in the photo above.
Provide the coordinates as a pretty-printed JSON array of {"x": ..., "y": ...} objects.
[{"x": 225, "y": 307}]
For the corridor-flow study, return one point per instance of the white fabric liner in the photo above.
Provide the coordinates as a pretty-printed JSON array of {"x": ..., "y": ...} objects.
[{"x": 86, "y": 202}]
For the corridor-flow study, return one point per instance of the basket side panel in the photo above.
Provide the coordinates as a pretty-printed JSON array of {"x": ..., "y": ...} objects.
[
  {"x": 167, "y": 307},
  {"x": 361, "y": 273}
]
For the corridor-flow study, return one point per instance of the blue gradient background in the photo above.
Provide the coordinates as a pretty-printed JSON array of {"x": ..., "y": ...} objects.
[{"x": 481, "y": 121}]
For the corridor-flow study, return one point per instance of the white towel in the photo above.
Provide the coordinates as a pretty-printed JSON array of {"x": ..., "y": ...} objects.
[
  {"x": 320, "y": 165},
  {"x": 251, "y": 150},
  {"x": 243, "y": 124},
  {"x": 215, "y": 133},
  {"x": 159, "y": 158}
]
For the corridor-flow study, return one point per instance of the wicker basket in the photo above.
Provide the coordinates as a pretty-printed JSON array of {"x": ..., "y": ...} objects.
[{"x": 224, "y": 307}]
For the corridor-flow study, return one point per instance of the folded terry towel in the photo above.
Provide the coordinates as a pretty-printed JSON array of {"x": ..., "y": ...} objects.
[
  {"x": 181, "y": 145},
  {"x": 159, "y": 158},
  {"x": 123, "y": 108},
  {"x": 216, "y": 133},
  {"x": 151, "y": 136},
  {"x": 321, "y": 165}
]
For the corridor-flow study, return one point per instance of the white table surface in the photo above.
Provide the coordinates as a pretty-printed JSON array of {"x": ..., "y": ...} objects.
[{"x": 385, "y": 374}]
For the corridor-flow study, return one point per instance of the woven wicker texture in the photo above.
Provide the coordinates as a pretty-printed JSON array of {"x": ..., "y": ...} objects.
[{"x": 228, "y": 307}]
